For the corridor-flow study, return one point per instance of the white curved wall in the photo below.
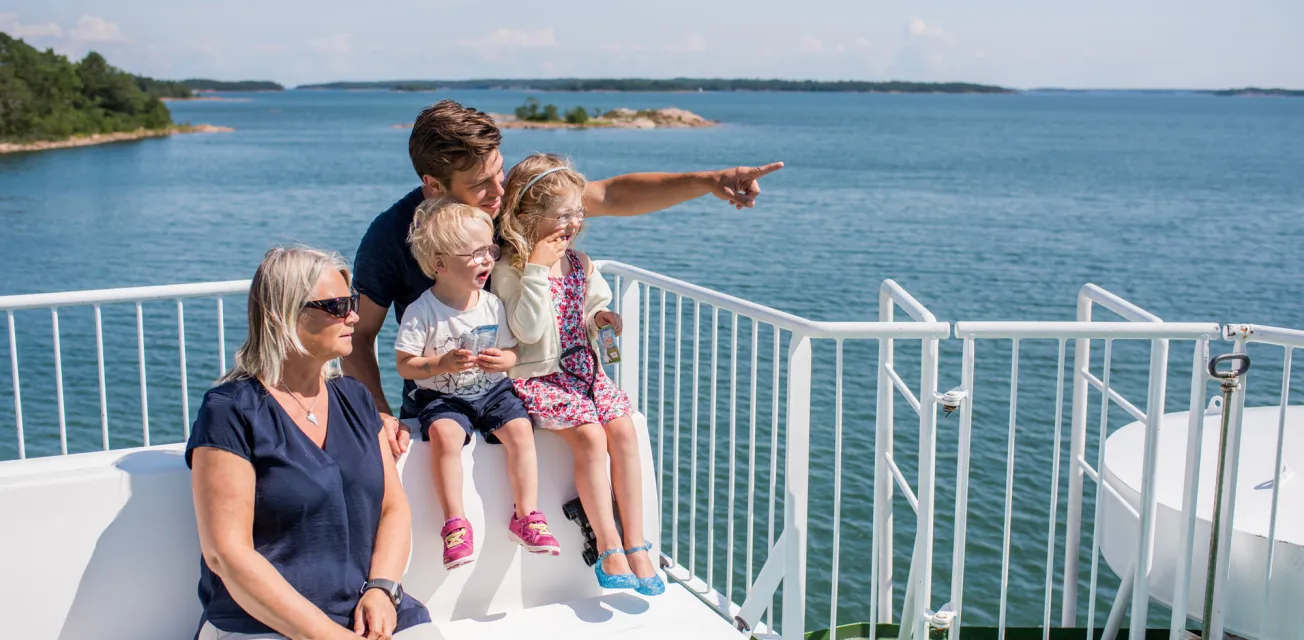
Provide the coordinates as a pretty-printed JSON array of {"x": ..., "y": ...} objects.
[{"x": 103, "y": 545}]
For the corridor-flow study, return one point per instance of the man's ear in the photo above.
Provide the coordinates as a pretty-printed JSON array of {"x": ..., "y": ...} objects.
[
  {"x": 439, "y": 263},
  {"x": 432, "y": 184}
]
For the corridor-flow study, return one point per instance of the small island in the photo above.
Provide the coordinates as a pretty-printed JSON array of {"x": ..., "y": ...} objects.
[
  {"x": 533, "y": 115},
  {"x": 1260, "y": 93},
  {"x": 50, "y": 102}
]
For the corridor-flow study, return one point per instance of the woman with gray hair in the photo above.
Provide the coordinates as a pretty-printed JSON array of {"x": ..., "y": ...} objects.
[{"x": 303, "y": 524}]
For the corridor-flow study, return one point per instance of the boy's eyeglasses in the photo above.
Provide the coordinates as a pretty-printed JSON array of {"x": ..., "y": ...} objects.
[
  {"x": 566, "y": 217},
  {"x": 483, "y": 254},
  {"x": 338, "y": 307}
]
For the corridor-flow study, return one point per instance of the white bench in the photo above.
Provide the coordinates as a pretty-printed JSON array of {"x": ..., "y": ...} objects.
[{"x": 103, "y": 545}]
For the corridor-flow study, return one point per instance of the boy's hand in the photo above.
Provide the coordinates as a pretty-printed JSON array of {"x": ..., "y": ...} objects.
[
  {"x": 549, "y": 250},
  {"x": 494, "y": 361},
  {"x": 455, "y": 361},
  {"x": 604, "y": 318}
]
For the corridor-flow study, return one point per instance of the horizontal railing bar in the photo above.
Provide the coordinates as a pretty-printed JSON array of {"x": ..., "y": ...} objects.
[
  {"x": 796, "y": 324},
  {"x": 902, "y": 387},
  {"x": 1113, "y": 395},
  {"x": 901, "y": 482},
  {"x": 127, "y": 294},
  {"x": 1110, "y": 488},
  {"x": 1095, "y": 477},
  {"x": 1260, "y": 333},
  {"x": 1119, "y": 306},
  {"x": 1088, "y": 330},
  {"x": 1089, "y": 470}
]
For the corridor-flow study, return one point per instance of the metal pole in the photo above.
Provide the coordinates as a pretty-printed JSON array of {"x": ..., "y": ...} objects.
[{"x": 1230, "y": 381}]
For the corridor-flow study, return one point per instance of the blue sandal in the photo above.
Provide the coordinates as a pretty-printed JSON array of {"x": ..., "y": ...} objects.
[
  {"x": 619, "y": 581},
  {"x": 650, "y": 586}
]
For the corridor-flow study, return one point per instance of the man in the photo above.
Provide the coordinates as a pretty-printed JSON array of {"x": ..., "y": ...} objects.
[{"x": 454, "y": 151}]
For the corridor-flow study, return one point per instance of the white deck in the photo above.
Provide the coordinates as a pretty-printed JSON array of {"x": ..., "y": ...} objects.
[{"x": 677, "y": 613}]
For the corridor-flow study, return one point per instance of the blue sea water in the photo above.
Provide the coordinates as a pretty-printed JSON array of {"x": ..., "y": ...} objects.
[{"x": 983, "y": 207}]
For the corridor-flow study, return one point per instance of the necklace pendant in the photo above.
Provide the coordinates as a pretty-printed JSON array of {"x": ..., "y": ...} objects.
[{"x": 312, "y": 417}]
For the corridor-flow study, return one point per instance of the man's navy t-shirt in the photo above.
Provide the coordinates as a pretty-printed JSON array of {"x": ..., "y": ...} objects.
[
  {"x": 388, "y": 274},
  {"x": 316, "y": 509}
]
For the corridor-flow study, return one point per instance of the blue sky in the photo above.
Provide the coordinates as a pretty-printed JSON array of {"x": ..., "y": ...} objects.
[{"x": 1017, "y": 43}]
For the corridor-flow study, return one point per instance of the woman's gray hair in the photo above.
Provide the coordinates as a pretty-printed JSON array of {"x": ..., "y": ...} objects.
[{"x": 283, "y": 283}]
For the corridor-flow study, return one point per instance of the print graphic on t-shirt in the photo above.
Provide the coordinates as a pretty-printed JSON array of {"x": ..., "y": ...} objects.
[{"x": 469, "y": 383}]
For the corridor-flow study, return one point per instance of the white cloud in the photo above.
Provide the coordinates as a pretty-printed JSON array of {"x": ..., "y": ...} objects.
[
  {"x": 334, "y": 43},
  {"x": 544, "y": 37},
  {"x": 9, "y": 24},
  {"x": 692, "y": 44},
  {"x": 920, "y": 29},
  {"x": 95, "y": 29},
  {"x": 807, "y": 44}
]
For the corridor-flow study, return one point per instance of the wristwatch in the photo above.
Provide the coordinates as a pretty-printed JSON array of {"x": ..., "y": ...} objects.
[{"x": 393, "y": 589}]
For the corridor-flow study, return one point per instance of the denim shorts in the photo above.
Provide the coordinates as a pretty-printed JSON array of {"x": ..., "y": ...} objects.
[{"x": 484, "y": 414}]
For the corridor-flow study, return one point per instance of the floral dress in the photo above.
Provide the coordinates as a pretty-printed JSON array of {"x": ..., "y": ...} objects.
[{"x": 564, "y": 399}]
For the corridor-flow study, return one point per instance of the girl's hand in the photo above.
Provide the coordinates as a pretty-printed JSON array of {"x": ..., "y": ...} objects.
[
  {"x": 604, "y": 318},
  {"x": 549, "y": 250},
  {"x": 493, "y": 361}
]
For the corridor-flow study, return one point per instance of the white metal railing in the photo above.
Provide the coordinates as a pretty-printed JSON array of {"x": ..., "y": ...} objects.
[
  {"x": 785, "y": 559},
  {"x": 1141, "y": 326},
  {"x": 96, "y": 299},
  {"x": 1288, "y": 339}
]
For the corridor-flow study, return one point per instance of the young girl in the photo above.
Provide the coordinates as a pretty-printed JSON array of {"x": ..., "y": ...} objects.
[{"x": 556, "y": 302}]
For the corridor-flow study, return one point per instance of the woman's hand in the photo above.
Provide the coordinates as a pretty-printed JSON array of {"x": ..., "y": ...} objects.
[
  {"x": 397, "y": 434},
  {"x": 549, "y": 250},
  {"x": 604, "y": 318},
  {"x": 375, "y": 617}
]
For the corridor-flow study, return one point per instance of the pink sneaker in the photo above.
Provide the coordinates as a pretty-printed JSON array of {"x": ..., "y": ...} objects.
[
  {"x": 531, "y": 532},
  {"x": 459, "y": 543}
]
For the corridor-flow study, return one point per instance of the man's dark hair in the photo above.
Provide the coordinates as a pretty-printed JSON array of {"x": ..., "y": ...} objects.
[{"x": 448, "y": 137}]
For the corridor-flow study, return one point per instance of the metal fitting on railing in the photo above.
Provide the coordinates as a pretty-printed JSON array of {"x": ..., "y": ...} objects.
[
  {"x": 940, "y": 621},
  {"x": 1230, "y": 382},
  {"x": 951, "y": 400}
]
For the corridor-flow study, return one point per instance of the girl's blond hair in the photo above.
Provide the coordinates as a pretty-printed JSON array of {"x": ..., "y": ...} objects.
[
  {"x": 439, "y": 229},
  {"x": 521, "y": 210},
  {"x": 283, "y": 283}
]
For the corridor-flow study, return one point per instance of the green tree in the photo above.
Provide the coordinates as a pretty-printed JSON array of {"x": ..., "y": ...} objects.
[
  {"x": 44, "y": 96},
  {"x": 577, "y": 115}
]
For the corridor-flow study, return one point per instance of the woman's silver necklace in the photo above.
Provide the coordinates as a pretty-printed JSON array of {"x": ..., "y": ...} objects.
[{"x": 312, "y": 417}]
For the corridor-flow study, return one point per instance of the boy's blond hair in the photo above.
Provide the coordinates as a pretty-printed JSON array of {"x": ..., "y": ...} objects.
[
  {"x": 439, "y": 229},
  {"x": 520, "y": 210}
]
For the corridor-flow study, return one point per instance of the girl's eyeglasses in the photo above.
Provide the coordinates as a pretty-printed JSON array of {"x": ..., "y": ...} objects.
[
  {"x": 483, "y": 254},
  {"x": 567, "y": 217},
  {"x": 338, "y": 307}
]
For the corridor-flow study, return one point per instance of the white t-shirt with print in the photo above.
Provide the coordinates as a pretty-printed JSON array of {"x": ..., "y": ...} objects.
[{"x": 432, "y": 328}]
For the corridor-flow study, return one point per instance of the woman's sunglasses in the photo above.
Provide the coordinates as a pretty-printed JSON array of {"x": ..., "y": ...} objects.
[{"x": 338, "y": 307}]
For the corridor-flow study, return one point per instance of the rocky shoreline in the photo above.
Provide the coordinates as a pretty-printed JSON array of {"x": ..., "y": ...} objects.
[
  {"x": 104, "y": 138},
  {"x": 667, "y": 118}
]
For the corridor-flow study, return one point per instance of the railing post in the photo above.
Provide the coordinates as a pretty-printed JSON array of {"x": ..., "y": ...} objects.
[
  {"x": 881, "y": 558},
  {"x": 1186, "y": 535},
  {"x": 921, "y": 564},
  {"x": 1149, "y": 497},
  {"x": 962, "y": 489},
  {"x": 630, "y": 358},
  {"x": 1077, "y": 450},
  {"x": 796, "y": 487}
]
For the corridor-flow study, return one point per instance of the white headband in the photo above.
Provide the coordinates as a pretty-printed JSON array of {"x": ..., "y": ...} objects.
[{"x": 533, "y": 180}]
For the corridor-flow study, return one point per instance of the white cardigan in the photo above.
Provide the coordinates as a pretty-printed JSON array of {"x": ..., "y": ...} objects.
[{"x": 530, "y": 316}]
